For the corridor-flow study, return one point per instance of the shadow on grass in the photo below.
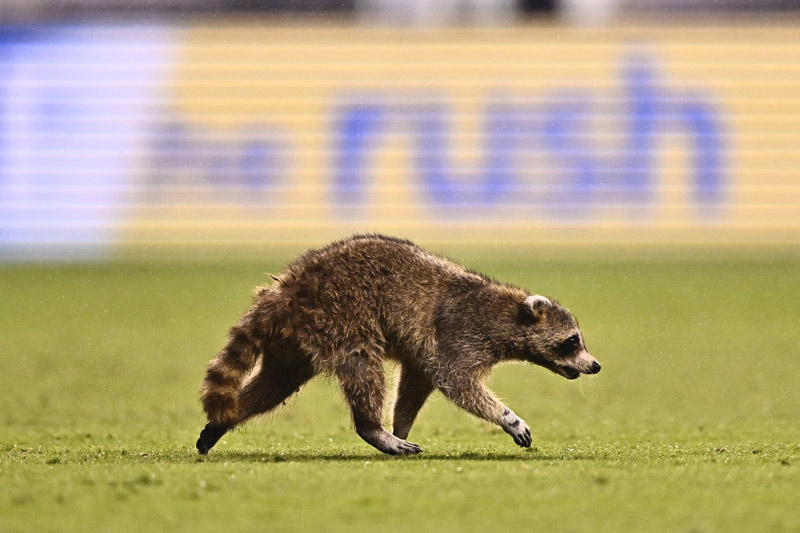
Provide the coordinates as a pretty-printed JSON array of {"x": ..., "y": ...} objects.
[
  {"x": 333, "y": 457},
  {"x": 63, "y": 456}
]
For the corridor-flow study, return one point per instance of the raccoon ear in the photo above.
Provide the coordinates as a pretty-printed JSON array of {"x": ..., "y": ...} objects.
[{"x": 533, "y": 309}]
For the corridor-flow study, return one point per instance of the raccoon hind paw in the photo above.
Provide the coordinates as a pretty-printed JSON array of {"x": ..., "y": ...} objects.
[{"x": 209, "y": 437}]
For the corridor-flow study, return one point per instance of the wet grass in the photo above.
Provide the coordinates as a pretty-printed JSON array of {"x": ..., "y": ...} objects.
[{"x": 693, "y": 424}]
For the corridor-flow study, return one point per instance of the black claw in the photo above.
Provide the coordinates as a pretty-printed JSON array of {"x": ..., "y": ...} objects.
[
  {"x": 410, "y": 447},
  {"x": 523, "y": 439}
]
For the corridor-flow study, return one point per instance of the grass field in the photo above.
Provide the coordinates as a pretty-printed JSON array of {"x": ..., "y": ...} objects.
[{"x": 693, "y": 424}]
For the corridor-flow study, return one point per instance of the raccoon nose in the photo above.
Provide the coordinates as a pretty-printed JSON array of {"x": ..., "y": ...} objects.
[{"x": 595, "y": 368}]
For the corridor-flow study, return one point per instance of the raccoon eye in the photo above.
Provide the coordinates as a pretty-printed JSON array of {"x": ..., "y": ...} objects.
[{"x": 570, "y": 346}]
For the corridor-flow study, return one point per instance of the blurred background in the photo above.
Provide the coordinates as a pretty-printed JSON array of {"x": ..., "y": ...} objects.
[{"x": 131, "y": 125}]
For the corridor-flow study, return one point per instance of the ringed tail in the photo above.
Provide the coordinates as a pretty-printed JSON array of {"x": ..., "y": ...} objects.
[{"x": 220, "y": 390}]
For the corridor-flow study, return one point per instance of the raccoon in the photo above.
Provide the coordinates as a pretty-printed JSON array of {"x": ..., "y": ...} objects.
[{"x": 342, "y": 309}]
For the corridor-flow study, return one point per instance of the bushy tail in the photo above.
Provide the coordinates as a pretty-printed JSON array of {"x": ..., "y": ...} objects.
[{"x": 220, "y": 390}]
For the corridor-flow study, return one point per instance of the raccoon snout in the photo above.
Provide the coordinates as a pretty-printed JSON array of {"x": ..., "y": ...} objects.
[{"x": 594, "y": 369}]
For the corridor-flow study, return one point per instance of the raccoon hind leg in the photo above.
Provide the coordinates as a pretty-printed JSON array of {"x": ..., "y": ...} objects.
[
  {"x": 209, "y": 437},
  {"x": 361, "y": 376},
  {"x": 284, "y": 369}
]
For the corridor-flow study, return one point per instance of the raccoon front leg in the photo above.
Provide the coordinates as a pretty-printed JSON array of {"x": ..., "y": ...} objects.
[
  {"x": 413, "y": 388},
  {"x": 361, "y": 377},
  {"x": 473, "y": 396}
]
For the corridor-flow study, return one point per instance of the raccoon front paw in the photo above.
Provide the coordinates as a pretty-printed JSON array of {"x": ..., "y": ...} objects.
[{"x": 518, "y": 429}]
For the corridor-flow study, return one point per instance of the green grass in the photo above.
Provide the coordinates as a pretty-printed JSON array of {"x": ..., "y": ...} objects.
[{"x": 693, "y": 424}]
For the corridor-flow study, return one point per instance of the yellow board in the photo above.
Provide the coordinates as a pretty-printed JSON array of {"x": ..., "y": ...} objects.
[{"x": 528, "y": 135}]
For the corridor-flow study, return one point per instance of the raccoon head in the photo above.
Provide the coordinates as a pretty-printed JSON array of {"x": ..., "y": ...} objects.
[{"x": 552, "y": 338}]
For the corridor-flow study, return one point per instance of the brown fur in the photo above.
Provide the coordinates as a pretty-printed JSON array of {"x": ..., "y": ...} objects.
[{"x": 344, "y": 308}]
